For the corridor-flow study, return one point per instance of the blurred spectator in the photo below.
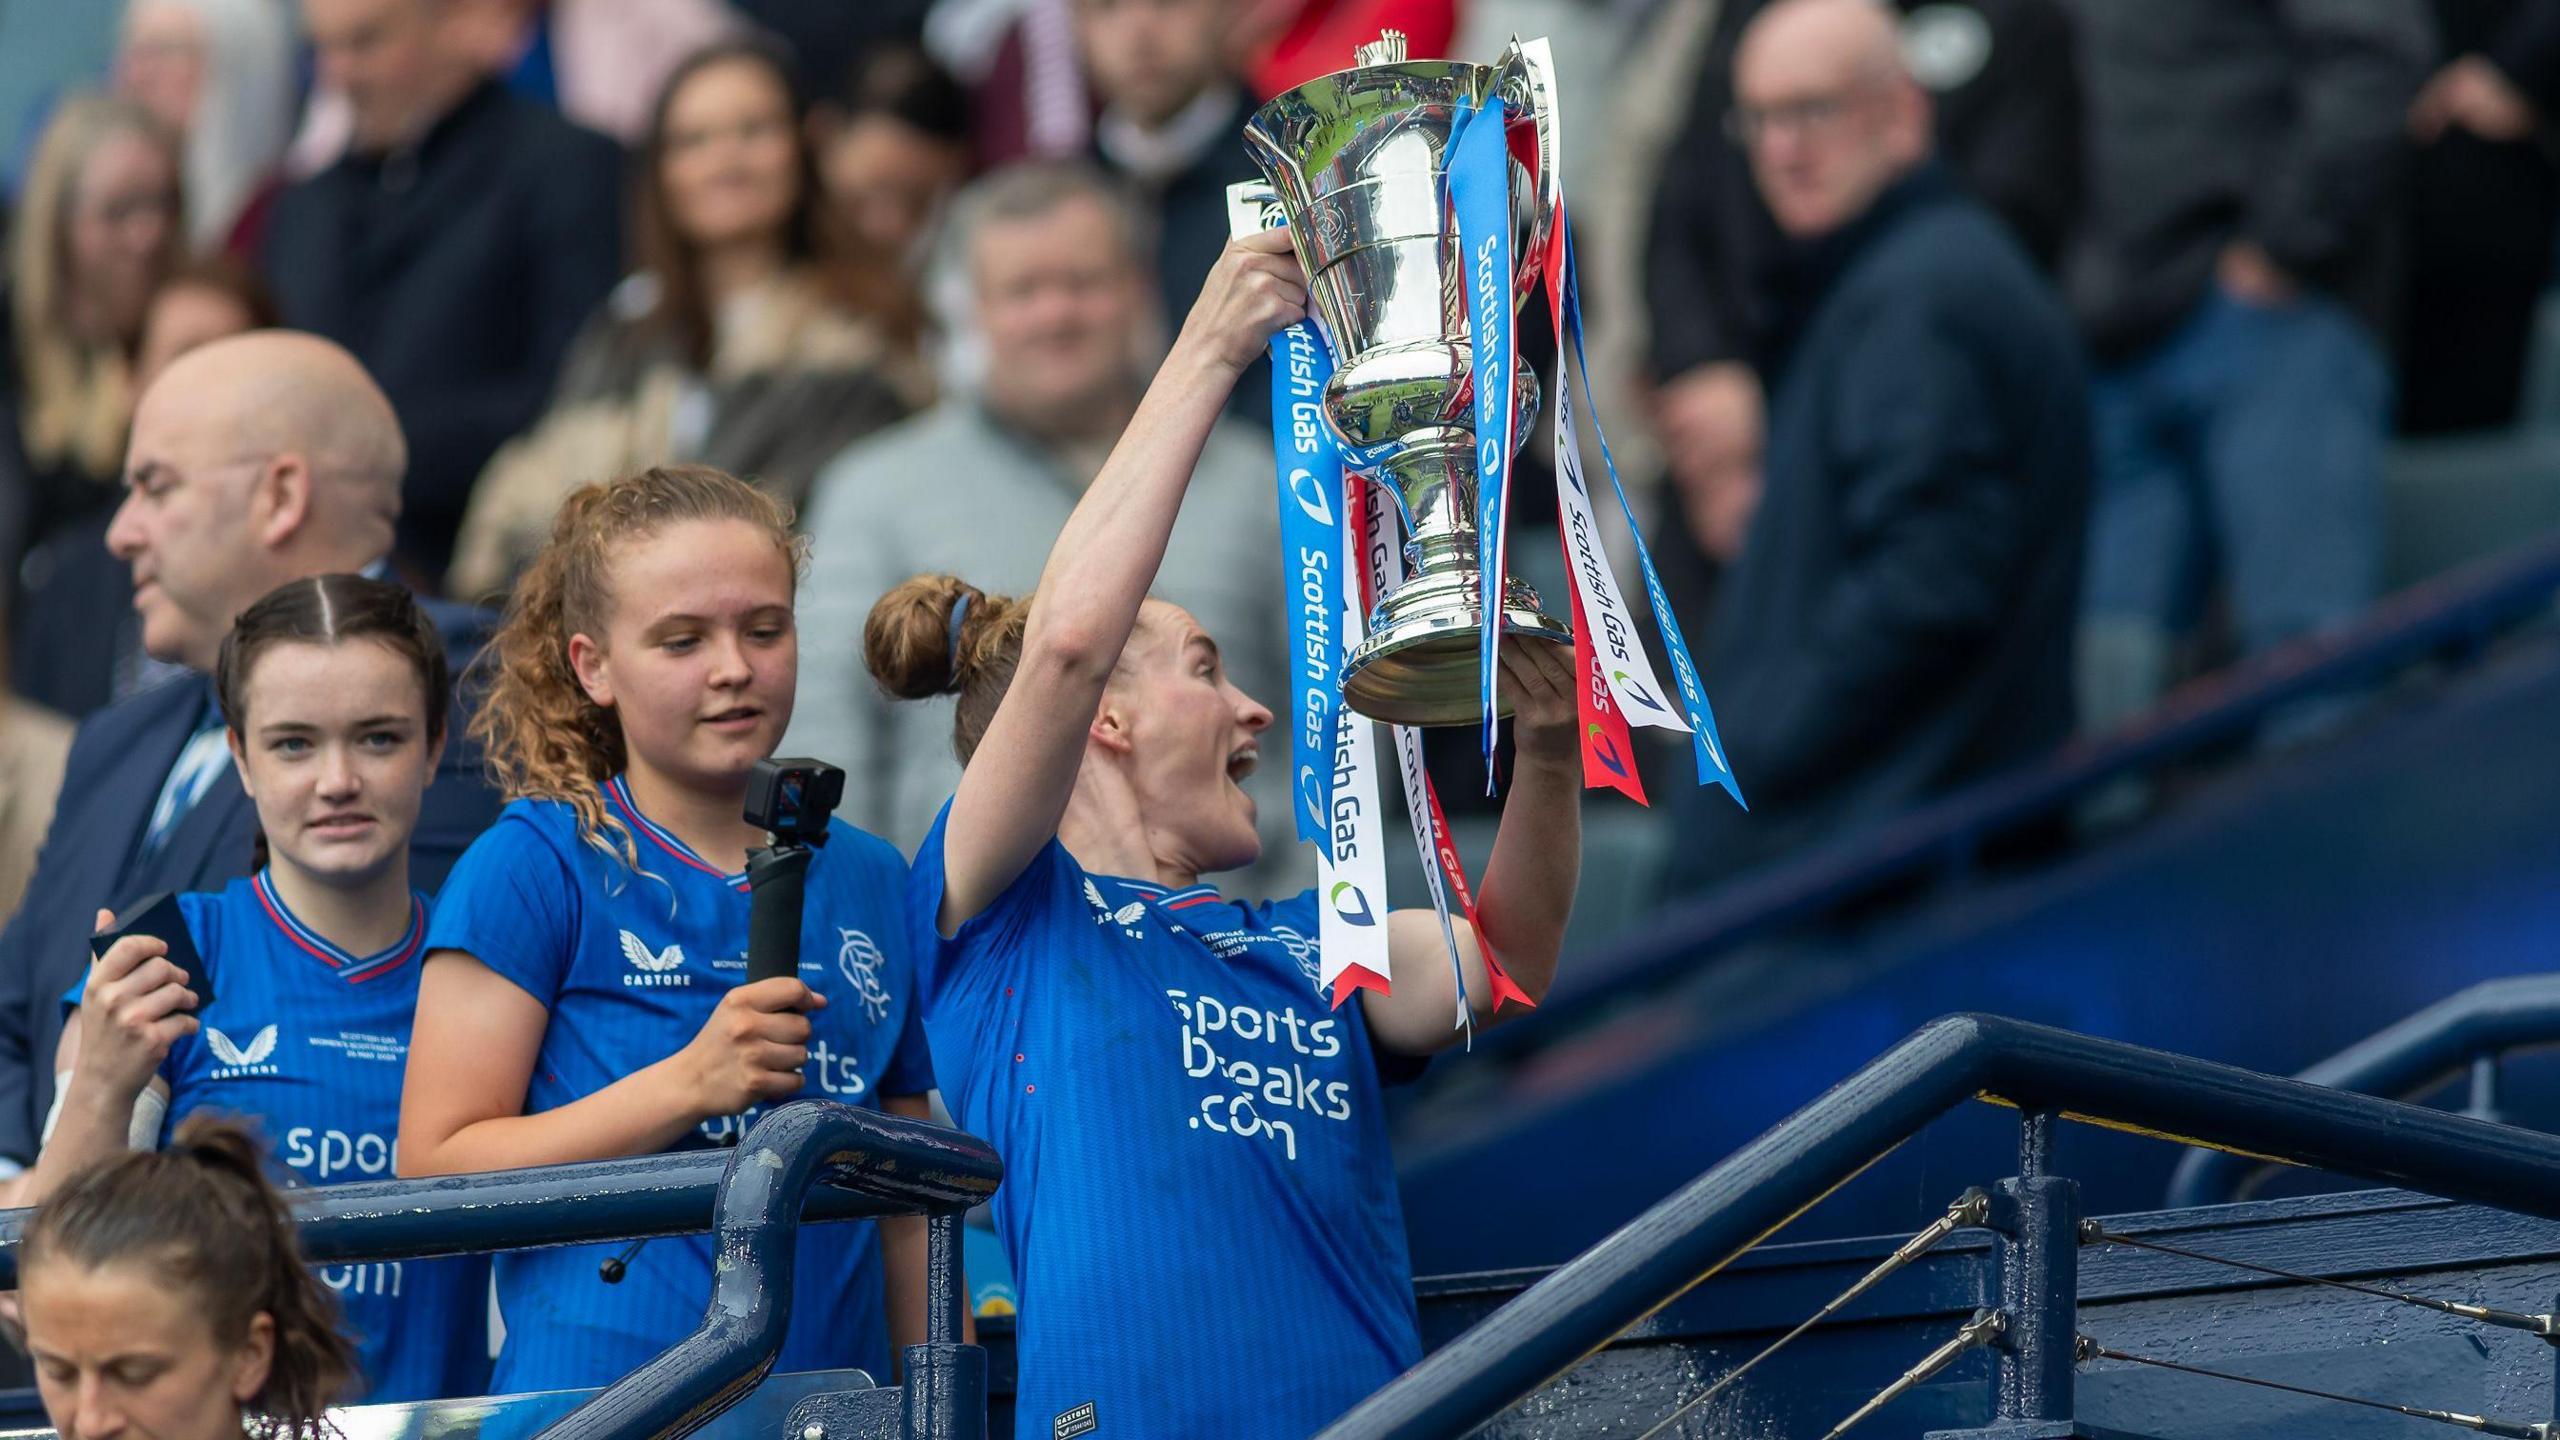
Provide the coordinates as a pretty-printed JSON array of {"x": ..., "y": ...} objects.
[
  {"x": 2483, "y": 209},
  {"x": 833, "y": 39},
  {"x": 46, "y": 53},
  {"x": 456, "y": 248},
  {"x": 34, "y": 743},
  {"x": 2007, "y": 108},
  {"x": 894, "y": 149},
  {"x": 1172, "y": 124},
  {"x": 1594, "y": 46},
  {"x": 99, "y": 225},
  {"x": 1058, "y": 272},
  {"x": 1900, "y": 619},
  {"x": 2233, "y": 278},
  {"x": 220, "y": 74},
  {"x": 1624, "y": 121},
  {"x": 1018, "y": 58},
  {"x": 604, "y": 62},
  {"x": 1281, "y": 44},
  {"x": 255, "y": 460},
  {"x": 759, "y": 337},
  {"x": 600, "y": 63},
  {"x": 203, "y": 302}
]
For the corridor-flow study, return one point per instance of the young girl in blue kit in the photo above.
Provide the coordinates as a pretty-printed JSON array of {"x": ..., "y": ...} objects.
[
  {"x": 334, "y": 693},
  {"x": 1198, "y": 1201},
  {"x": 585, "y": 992}
]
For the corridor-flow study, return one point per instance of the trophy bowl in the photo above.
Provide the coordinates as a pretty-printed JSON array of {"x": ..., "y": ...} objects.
[{"x": 1359, "y": 163}]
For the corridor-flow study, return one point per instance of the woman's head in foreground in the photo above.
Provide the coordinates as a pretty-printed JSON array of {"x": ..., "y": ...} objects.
[{"x": 166, "y": 1297}]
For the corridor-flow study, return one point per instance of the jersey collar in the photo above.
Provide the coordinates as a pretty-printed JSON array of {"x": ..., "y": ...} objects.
[
  {"x": 354, "y": 969},
  {"x": 1165, "y": 899},
  {"x": 617, "y": 793}
]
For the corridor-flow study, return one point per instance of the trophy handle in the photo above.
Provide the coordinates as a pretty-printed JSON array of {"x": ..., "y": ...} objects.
[{"x": 1525, "y": 78}]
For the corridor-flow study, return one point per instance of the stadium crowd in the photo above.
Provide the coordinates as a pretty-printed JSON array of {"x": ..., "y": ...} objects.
[{"x": 445, "y": 443}]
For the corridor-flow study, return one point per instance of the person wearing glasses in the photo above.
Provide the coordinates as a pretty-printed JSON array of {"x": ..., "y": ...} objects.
[{"x": 1900, "y": 616}]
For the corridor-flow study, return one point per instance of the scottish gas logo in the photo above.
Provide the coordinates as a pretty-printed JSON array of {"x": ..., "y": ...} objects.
[
  {"x": 1352, "y": 903},
  {"x": 1604, "y": 749},
  {"x": 1310, "y": 495},
  {"x": 1627, "y": 686}
]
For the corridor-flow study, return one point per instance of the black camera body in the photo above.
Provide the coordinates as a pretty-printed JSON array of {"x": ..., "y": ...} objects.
[
  {"x": 789, "y": 800},
  {"x": 792, "y": 799}
]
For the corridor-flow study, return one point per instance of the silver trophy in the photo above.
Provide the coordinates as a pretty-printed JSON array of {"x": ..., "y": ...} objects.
[{"x": 1358, "y": 165}]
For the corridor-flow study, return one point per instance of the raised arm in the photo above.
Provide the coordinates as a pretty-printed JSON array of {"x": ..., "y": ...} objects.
[
  {"x": 1528, "y": 884},
  {"x": 1015, "y": 789}
]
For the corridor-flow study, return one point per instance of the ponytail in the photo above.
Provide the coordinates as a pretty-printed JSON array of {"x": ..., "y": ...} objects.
[
  {"x": 940, "y": 635},
  {"x": 203, "y": 1214},
  {"x": 544, "y": 736}
]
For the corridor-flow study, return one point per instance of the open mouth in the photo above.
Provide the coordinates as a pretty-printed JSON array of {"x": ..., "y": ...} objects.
[
  {"x": 341, "y": 826},
  {"x": 1242, "y": 762},
  {"x": 736, "y": 717}
]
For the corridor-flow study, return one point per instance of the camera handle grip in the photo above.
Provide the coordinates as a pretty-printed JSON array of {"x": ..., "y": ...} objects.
[{"x": 776, "y": 876}]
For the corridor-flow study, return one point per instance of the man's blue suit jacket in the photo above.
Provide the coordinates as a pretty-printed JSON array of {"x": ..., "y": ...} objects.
[{"x": 91, "y": 858}]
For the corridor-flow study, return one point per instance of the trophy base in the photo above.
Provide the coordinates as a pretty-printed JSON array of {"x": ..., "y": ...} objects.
[{"x": 1418, "y": 666}]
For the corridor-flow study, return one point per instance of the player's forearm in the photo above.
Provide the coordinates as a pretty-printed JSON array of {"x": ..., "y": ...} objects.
[
  {"x": 1536, "y": 865},
  {"x": 643, "y": 1113},
  {"x": 94, "y": 1127},
  {"x": 904, "y": 1287}
]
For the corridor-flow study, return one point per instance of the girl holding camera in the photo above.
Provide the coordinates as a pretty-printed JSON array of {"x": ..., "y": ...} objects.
[
  {"x": 585, "y": 990},
  {"x": 334, "y": 693}
]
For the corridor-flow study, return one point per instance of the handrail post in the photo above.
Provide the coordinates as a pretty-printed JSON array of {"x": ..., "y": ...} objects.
[
  {"x": 2035, "y": 1222},
  {"x": 2040, "y": 1288},
  {"x": 945, "y": 1395},
  {"x": 2035, "y": 1143},
  {"x": 946, "y": 1289},
  {"x": 2039, "y": 1251}
]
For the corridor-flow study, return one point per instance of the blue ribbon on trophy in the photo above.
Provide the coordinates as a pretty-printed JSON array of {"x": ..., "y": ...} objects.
[
  {"x": 1480, "y": 200},
  {"x": 1311, "y": 539}
]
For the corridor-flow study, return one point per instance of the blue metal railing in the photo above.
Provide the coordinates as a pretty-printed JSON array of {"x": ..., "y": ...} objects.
[
  {"x": 906, "y": 1167},
  {"x": 2467, "y": 1031},
  {"x": 810, "y": 1160},
  {"x": 2454, "y": 615},
  {"x": 756, "y": 1234},
  {"x": 2041, "y": 1071}
]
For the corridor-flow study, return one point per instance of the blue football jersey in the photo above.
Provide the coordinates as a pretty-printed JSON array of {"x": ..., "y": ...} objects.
[
  {"x": 631, "y": 965},
  {"x": 1198, "y": 1200},
  {"x": 310, "y": 1045}
]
